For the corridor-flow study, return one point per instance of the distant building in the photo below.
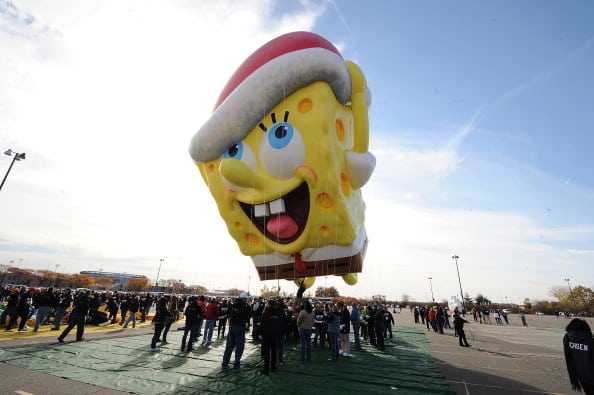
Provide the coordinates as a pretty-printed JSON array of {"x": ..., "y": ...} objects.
[{"x": 119, "y": 279}]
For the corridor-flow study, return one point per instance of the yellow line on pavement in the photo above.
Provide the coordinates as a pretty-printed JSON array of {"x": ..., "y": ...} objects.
[{"x": 21, "y": 392}]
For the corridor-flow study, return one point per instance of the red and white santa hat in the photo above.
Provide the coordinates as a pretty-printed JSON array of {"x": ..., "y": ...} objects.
[{"x": 272, "y": 73}]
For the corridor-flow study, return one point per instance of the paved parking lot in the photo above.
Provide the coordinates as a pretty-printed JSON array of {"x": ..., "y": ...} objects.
[{"x": 503, "y": 359}]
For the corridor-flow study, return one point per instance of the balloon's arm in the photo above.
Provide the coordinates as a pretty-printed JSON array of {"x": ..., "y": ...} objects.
[{"x": 359, "y": 107}]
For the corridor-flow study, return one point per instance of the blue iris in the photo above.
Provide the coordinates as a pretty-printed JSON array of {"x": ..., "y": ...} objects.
[
  {"x": 234, "y": 152},
  {"x": 280, "y": 135}
]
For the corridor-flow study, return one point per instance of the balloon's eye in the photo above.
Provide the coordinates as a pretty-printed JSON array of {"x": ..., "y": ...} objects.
[
  {"x": 280, "y": 135},
  {"x": 234, "y": 152},
  {"x": 282, "y": 150}
]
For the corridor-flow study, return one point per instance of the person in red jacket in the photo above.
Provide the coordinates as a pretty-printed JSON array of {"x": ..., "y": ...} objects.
[{"x": 210, "y": 315}]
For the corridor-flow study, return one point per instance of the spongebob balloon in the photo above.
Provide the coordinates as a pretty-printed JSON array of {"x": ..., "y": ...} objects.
[{"x": 285, "y": 154}]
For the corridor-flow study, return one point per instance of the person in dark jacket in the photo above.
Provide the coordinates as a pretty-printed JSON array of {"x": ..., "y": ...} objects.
[
  {"x": 21, "y": 310},
  {"x": 370, "y": 318},
  {"x": 78, "y": 316},
  {"x": 10, "y": 309},
  {"x": 161, "y": 314},
  {"x": 222, "y": 325},
  {"x": 44, "y": 302},
  {"x": 64, "y": 301},
  {"x": 270, "y": 324},
  {"x": 239, "y": 316},
  {"x": 379, "y": 328},
  {"x": 579, "y": 355},
  {"x": 113, "y": 308},
  {"x": 133, "y": 309},
  {"x": 124, "y": 305},
  {"x": 345, "y": 329},
  {"x": 192, "y": 313},
  {"x": 459, "y": 328}
]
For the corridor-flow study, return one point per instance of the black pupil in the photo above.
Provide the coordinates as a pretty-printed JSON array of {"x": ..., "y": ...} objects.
[
  {"x": 280, "y": 132},
  {"x": 233, "y": 151}
]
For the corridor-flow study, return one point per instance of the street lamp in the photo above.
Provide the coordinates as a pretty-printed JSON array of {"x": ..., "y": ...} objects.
[
  {"x": 158, "y": 272},
  {"x": 455, "y": 258},
  {"x": 568, "y": 286},
  {"x": 17, "y": 156},
  {"x": 587, "y": 296},
  {"x": 431, "y": 286}
]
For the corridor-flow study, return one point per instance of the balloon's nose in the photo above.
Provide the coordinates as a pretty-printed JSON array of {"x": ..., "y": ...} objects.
[{"x": 239, "y": 174}]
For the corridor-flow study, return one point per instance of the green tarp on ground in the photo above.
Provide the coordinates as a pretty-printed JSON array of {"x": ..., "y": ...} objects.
[{"x": 126, "y": 364}]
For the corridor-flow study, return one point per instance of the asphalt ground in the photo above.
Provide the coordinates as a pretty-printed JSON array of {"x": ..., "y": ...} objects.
[{"x": 503, "y": 359}]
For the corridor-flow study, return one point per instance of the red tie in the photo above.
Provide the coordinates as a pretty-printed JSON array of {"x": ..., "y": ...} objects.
[{"x": 299, "y": 264}]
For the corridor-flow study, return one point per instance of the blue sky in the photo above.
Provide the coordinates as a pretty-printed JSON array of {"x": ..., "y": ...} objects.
[{"x": 481, "y": 123}]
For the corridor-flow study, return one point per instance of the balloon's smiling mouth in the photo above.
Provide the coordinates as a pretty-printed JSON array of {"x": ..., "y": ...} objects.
[{"x": 282, "y": 220}]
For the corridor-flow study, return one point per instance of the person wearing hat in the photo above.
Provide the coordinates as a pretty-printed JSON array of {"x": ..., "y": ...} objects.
[
  {"x": 64, "y": 302},
  {"x": 239, "y": 316},
  {"x": 578, "y": 348}
]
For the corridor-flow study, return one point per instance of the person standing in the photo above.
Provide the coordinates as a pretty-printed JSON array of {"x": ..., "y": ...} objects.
[
  {"x": 146, "y": 302},
  {"x": 192, "y": 313},
  {"x": 333, "y": 319},
  {"x": 319, "y": 317},
  {"x": 210, "y": 315},
  {"x": 364, "y": 327},
  {"x": 459, "y": 327},
  {"x": 270, "y": 323},
  {"x": 44, "y": 302},
  {"x": 257, "y": 308},
  {"x": 523, "y": 318},
  {"x": 133, "y": 309},
  {"x": 112, "y": 307},
  {"x": 239, "y": 316},
  {"x": 305, "y": 322},
  {"x": 388, "y": 322},
  {"x": 578, "y": 346},
  {"x": 124, "y": 305},
  {"x": 222, "y": 325},
  {"x": 172, "y": 316},
  {"x": 159, "y": 318},
  {"x": 370, "y": 317},
  {"x": 64, "y": 302},
  {"x": 379, "y": 328},
  {"x": 21, "y": 310},
  {"x": 345, "y": 329},
  {"x": 78, "y": 316},
  {"x": 356, "y": 321},
  {"x": 10, "y": 309}
]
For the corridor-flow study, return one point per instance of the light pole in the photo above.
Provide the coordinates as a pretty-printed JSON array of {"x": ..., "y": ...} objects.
[
  {"x": 17, "y": 156},
  {"x": 249, "y": 279},
  {"x": 587, "y": 296},
  {"x": 568, "y": 286},
  {"x": 431, "y": 286},
  {"x": 570, "y": 296},
  {"x": 455, "y": 258},
  {"x": 158, "y": 272}
]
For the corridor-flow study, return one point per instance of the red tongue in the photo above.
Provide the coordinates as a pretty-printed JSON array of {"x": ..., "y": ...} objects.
[{"x": 282, "y": 226}]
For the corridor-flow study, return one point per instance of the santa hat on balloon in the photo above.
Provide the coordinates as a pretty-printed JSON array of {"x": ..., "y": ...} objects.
[{"x": 272, "y": 73}]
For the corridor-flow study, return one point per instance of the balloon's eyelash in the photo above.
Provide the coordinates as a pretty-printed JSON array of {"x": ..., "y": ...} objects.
[{"x": 273, "y": 119}]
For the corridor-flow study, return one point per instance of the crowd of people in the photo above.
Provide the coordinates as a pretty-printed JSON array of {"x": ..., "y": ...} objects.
[{"x": 272, "y": 322}]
